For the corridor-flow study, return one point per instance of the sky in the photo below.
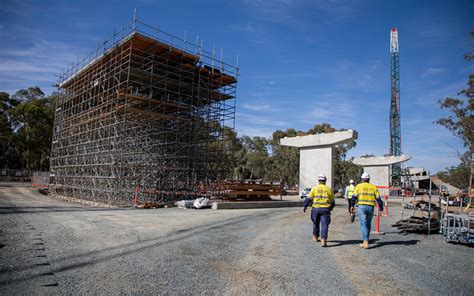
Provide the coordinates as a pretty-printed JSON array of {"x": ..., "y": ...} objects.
[{"x": 301, "y": 62}]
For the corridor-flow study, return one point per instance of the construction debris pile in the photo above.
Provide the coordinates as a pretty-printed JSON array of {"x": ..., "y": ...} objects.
[
  {"x": 198, "y": 203},
  {"x": 425, "y": 219}
]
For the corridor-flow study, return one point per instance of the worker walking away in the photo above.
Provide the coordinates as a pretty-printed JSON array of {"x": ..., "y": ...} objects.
[
  {"x": 366, "y": 195},
  {"x": 348, "y": 195},
  {"x": 322, "y": 201}
]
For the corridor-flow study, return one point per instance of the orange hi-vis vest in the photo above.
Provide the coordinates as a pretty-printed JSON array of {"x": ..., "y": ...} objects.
[
  {"x": 366, "y": 194},
  {"x": 322, "y": 196}
]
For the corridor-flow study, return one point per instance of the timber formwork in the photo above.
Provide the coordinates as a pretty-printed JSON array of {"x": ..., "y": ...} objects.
[{"x": 145, "y": 116}]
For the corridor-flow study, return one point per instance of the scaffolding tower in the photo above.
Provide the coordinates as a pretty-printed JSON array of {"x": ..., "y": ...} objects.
[{"x": 146, "y": 114}]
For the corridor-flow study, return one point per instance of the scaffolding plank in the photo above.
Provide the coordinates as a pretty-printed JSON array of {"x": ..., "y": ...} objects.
[{"x": 154, "y": 101}]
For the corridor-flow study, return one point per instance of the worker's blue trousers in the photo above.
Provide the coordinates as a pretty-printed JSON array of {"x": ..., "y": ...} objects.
[
  {"x": 321, "y": 217},
  {"x": 366, "y": 213}
]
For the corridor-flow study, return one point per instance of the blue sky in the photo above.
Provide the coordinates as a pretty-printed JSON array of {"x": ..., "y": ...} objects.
[{"x": 301, "y": 62}]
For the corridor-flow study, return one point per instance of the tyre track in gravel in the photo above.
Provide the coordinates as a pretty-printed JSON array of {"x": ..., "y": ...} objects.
[
  {"x": 282, "y": 260},
  {"x": 361, "y": 267},
  {"x": 24, "y": 247}
]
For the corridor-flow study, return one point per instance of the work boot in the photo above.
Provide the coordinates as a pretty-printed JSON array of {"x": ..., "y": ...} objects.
[
  {"x": 365, "y": 244},
  {"x": 323, "y": 243},
  {"x": 315, "y": 238}
]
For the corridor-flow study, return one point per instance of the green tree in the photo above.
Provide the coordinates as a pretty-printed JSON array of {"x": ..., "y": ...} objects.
[
  {"x": 32, "y": 121},
  {"x": 233, "y": 154},
  {"x": 9, "y": 157},
  {"x": 460, "y": 122},
  {"x": 256, "y": 157},
  {"x": 457, "y": 176},
  {"x": 285, "y": 160}
]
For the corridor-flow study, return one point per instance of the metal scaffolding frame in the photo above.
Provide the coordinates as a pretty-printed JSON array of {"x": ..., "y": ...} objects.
[{"x": 146, "y": 115}]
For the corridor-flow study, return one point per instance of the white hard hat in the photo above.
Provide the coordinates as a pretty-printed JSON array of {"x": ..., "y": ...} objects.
[
  {"x": 351, "y": 181},
  {"x": 322, "y": 177},
  {"x": 365, "y": 176}
]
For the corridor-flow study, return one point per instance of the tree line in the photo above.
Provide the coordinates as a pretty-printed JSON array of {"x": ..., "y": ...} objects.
[
  {"x": 260, "y": 158},
  {"x": 26, "y": 129}
]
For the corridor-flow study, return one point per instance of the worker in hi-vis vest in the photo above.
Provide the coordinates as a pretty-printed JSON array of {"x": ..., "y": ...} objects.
[
  {"x": 366, "y": 195},
  {"x": 322, "y": 201},
  {"x": 348, "y": 195}
]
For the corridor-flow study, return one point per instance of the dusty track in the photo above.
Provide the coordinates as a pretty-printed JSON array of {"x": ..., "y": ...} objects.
[{"x": 50, "y": 246}]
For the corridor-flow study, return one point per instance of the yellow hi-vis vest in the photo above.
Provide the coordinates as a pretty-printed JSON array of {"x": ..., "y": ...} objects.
[
  {"x": 349, "y": 191},
  {"x": 322, "y": 196},
  {"x": 366, "y": 194}
]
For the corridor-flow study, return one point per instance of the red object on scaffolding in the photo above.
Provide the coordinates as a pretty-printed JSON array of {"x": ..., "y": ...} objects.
[{"x": 135, "y": 200}]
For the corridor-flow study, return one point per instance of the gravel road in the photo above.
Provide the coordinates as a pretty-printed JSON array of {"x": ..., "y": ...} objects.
[{"x": 48, "y": 246}]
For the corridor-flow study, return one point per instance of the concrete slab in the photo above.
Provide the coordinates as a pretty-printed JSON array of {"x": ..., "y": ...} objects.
[
  {"x": 317, "y": 155},
  {"x": 378, "y": 167},
  {"x": 381, "y": 160},
  {"x": 328, "y": 139},
  {"x": 255, "y": 205}
]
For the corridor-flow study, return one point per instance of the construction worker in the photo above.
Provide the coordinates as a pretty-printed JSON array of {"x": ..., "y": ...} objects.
[
  {"x": 348, "y": 195},
  {"x": 322, "y": 200},
  {"x": 366, "y": 195},
  {"x": 445, "y": 195}
]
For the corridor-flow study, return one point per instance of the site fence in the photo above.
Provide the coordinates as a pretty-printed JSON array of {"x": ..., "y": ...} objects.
[
  {"x": 40, "y": 179},
  {"x": 15, "y": 175}
]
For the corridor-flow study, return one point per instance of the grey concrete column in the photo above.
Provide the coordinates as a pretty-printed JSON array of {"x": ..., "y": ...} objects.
[
  {"x": 317, "y": 155},
  {"x": 315, "y": 161}
]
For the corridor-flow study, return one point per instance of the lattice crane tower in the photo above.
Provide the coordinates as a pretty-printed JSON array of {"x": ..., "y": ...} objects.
[{"x": 395, "y": 131}]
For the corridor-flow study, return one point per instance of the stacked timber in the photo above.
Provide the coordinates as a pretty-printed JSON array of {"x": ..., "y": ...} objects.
[
  {"x": 426, "y": 219},
  {"x": 248, "y": 191},
  {"x": 416, "y": 224}
]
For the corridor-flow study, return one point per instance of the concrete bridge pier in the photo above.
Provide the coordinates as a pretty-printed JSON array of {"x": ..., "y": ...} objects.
[{"x": 317, "y": 155}]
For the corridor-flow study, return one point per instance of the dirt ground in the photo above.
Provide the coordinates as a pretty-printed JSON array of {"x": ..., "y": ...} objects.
[{"x": 49, "y": 246}]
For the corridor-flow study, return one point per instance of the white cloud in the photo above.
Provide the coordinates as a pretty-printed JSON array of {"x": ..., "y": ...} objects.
[
  {"x": 262, "y": 124},
  {"x": 285, "y": 11},
  {"x": 38, "y": 64},
  {"x": 275, "y": 10},
  {"x": 253, "y": 131},
  {"x": 261, "y": 120},
  {"x": 257, "y": 34},
  {"x": 333, "y": 107},
  {"x": 364, "y": 77},
  {"x": 258, "y": 107},
  {"x": 430, "y": 72},
  {"x": 245, "y": 27}
]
